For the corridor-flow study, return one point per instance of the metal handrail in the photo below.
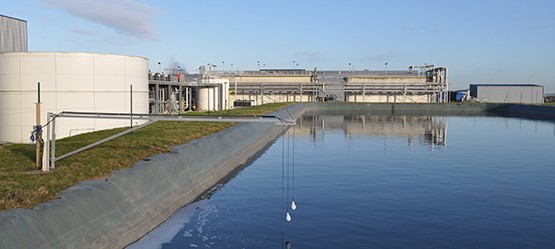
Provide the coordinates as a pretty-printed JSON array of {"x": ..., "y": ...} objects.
[{"x": 50, "y": 151}]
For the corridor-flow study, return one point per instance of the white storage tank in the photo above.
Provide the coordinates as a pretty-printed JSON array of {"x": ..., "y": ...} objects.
[
  {"x": 206, "y": 98},
  {"x": 85, "y": 82},
  {"x": 213, "y": 95}
]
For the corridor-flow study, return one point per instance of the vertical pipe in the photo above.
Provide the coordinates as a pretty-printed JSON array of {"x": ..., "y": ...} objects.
[
  {"x": 187, "y": 98},
  {"x": 446, "y": 84},
  {"x": 38, "y": 132},
  {"x": 156, "y": 98},
  {"x": 46, "y": 157},
  {"x": 131, "y": 104},
  {"x": 363, "y": 92},
  {"x": 404, "y": 93},
  {"x": 53, "y": 154},
  {"x": 261, "y": 94},
  {"x": 300, "y": 92},
  {"x": 180, "y": 97}
]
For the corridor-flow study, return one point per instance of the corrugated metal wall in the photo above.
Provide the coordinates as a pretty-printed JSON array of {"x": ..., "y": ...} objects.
[
  {"x": 13, "y": 35},
  {"x": 526, "y": 94}
]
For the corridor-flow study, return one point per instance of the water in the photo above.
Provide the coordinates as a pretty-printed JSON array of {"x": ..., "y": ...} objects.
[{"x": 383, "y": 182}]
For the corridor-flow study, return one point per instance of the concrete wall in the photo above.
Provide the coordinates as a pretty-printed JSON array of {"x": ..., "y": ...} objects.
[{"x": 116, "y": 211}]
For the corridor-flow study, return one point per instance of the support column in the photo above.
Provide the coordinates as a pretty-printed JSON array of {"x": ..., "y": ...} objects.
[
  {"x": 156, "y": 98},
  {"x": 301, "y": 92},
  {"x": 363, "y": 92},
  {"x": 404, "y": 93}
]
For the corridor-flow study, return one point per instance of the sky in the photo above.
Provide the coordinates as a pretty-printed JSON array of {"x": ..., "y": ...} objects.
[{"x": 486, "y": 41}]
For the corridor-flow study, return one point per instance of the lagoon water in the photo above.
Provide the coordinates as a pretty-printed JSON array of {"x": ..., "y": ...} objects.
[{"x": 383, "y": 182}]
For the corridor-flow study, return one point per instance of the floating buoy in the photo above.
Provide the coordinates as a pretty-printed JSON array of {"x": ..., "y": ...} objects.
[
  {"x": 293, "y": 205},
  {"x": 288, "y": 217}
]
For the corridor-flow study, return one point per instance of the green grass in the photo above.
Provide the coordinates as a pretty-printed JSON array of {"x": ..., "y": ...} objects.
[{"x": 19, "y": 189}]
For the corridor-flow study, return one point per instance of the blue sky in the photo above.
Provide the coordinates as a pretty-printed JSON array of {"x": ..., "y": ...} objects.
[{"x": 487, "y": 41}]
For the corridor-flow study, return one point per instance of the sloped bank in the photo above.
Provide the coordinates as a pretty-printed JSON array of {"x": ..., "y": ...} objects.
[
  {"x": 116, "y": 211},
  {"x": 525, "y": 111}
]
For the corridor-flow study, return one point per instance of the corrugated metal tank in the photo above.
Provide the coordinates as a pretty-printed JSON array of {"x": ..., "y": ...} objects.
[
  {"x": 13, "y": 34},
  {"x": 86, "y": 82}
]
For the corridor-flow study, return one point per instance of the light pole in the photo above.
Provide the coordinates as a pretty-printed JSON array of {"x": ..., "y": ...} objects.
[
  {"x": 351, "y": 67},
  {"x": 386, "y": 67},
  {"x": 159, "y": 67}
]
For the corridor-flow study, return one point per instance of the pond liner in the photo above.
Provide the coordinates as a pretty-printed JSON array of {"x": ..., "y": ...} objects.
[{"x": 118, "y": 210}]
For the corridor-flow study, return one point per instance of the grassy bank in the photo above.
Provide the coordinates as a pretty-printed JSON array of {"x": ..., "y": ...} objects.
[{"x": 19, "y": 189}]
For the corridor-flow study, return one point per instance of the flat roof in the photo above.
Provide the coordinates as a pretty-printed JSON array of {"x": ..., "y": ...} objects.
[{"x": 505, "y": 84}]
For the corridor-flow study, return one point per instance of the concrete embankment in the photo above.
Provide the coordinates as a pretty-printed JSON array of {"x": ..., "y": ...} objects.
[
  {"x": 113, "y": 212},
  {"x": 524, "y": 111},
  {"x": 451, "y": 109}
]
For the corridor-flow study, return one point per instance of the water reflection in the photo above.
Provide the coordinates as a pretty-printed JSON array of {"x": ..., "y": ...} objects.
[
  {"x": 341, "y": 192},
  {"x": 428, "y": 130}
]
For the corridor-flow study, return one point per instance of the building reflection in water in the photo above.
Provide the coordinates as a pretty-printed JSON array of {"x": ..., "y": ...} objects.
[{"x": 429, "y": 130}]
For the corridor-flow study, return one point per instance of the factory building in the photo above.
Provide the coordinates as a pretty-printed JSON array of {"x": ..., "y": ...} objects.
[
  {"x": 419, "y": 84},
  {"x": 13, "y": 34},
  {"x": 83, "y": 82},
  {"x": 427, "y": 85},
  {"x": 508, "y": 93}
]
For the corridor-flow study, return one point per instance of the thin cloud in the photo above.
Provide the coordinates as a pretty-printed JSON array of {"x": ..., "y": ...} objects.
[
  {"x": 489, "y": 69},
  {"x": 126, "y": 17},
  {"x": 310, "y": 56},
  {"x": 380, "y": 57},
  {"x": 84, "y": 32}
]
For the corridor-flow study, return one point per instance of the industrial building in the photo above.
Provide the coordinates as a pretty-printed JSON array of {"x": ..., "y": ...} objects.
[
  {"x": 508, "y": 93},
  {"x": 418, "y": 84},
  {"x": 85, "y": 82},
  {"x": 427, "y": 85},
  {"x": 90, "y": 82},
  {"x": 13, "y": 34}
]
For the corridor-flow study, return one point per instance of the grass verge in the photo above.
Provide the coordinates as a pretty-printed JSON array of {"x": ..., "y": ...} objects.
[{"x": 19, "y": 189}]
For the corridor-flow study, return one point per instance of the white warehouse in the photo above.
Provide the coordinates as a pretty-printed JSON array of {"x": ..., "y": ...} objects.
[
  {"x": 84, "y": 82},
  {"x": 508, "y": 93}
]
